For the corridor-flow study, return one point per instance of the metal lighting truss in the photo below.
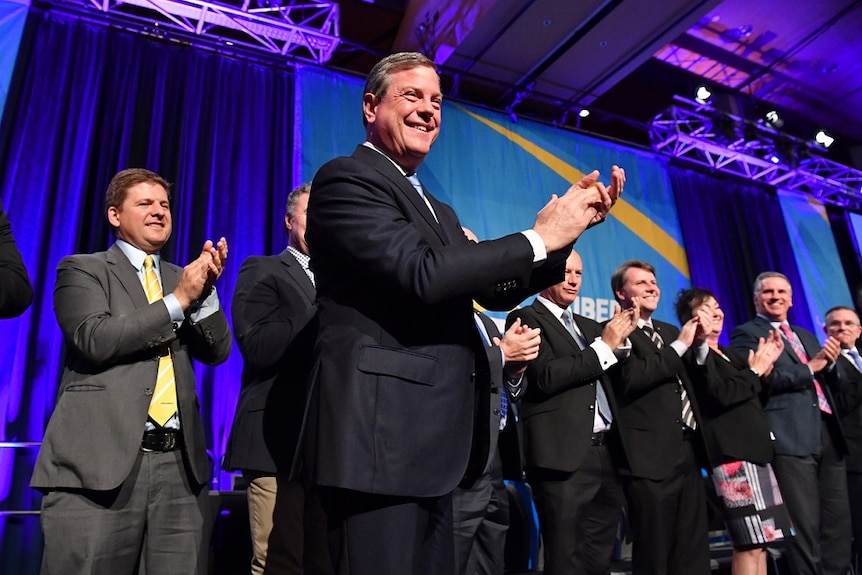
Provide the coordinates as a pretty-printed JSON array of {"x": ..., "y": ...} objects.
[
  {"x": 726, "y": 143},
  {"x": 307, "y": 29}
]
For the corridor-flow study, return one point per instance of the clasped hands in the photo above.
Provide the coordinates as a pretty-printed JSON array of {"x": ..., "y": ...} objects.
[
  {"x": 199, "y": 275},
  {"x": 585, "y": 204}
]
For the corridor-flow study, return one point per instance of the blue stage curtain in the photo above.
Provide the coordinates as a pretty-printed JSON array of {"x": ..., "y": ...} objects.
[
  {"x": 734, "y": 230},
  {"x": 86, "y": 102}
]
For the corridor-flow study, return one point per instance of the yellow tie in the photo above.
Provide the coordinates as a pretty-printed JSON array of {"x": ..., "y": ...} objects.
[{"x": 163, "y": 405}]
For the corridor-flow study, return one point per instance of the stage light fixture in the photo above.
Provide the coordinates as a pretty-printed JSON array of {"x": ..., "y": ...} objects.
[
  {"x": 584, "y": 113},
  {"x": 773, "y": 120},
  {"x": 703, "y": 94},
  {"x": 823, "y": 139}
]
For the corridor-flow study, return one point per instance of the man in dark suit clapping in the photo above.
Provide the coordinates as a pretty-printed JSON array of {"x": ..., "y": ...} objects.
[
  {"x": 568, "y": 416},
  {"x": 662, "y": 447},
  {"x": 391, "y": 418}
]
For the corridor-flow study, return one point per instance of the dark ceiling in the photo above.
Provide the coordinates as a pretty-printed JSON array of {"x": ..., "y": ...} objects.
[{"x": 625, "y": 59}]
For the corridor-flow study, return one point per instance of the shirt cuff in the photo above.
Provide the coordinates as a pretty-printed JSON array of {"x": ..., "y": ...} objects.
[
  {"x": 540, "y": 254},
  {"x": 679, "y": 347},
  {"x": 606, "y": 355},
  {"x": 175, "y": 310},
  {"x": 204, "y": 309}
]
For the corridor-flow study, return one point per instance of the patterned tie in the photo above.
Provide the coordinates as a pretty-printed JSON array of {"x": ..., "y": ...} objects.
[
  {"x": 601, "y": 398},
  {"x": 163, "y": 405},
  {"x": 854, "y": 355},
  {"x": 799, "y": 350},
  {"x": 687, "y": 412}
]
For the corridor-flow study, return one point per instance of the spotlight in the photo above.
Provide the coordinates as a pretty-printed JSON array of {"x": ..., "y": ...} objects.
[
  {"x": 703, "y": 94},
  {"x": 823, "y": 139},
  {"x": 584, "y": 113},
  {"x": 773, "y": 119}
]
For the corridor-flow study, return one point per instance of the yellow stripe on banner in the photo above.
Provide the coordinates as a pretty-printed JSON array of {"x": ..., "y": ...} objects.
[
  {"x": 638, "y": 223},
  {"x": 819, "y": 208}
]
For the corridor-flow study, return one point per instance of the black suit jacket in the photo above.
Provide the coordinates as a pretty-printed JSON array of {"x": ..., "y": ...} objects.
[
  {"x": 113, "y": 339},
  {"x": 732, "y": 422},
  {"x": 488, "y": 439},
  {"x": 849, "y": 403},
  {"x": 647, "y": 394},
  {"x": 16, "y": 293},
  {"x": 791, "y": 407},
  {"x": 273, "y": 312},
  {"x": 397, "y": 350},
  {"x": 559, "y": 405}
]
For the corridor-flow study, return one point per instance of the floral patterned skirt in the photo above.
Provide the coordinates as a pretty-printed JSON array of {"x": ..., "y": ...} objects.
[{"x": 754, "y": 511}]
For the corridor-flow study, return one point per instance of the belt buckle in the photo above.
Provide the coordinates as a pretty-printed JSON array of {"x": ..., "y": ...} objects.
[{"x": 170, "y": 441}]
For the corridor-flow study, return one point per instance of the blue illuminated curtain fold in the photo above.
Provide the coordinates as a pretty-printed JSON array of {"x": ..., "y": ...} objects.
[
  {"x": 734, "y": 230},
  {"x": 87, "y": 101}
]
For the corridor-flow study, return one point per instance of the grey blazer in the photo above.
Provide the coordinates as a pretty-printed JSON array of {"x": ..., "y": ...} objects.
[{"x": 112, "y": 337}]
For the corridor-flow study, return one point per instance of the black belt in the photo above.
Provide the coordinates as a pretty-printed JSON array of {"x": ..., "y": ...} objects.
[
  {"x": 600, "y": 438},
  {"x": 162, "y": 440}
]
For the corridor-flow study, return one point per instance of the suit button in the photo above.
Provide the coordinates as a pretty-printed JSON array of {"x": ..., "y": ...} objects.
[
  {"x": 496, "y": 411},
  {"x": 148, "y": 392},
  {"x": 591, "y": 408}
]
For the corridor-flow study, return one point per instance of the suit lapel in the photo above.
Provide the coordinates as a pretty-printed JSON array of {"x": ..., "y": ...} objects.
[
  {"x": 295, "y": 271},
  {"x": 555, "y": 325},
  {"x": 387, "y": 169},
  {"x": 765, "y": 327},
  {"x": 127, "y": 275}
]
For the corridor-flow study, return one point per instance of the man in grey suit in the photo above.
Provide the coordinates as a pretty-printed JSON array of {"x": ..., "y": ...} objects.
[
  {"x": 810, "y": 447},
  {"x": 273, "y": 318},
  {"x": 123, "y": 465}
]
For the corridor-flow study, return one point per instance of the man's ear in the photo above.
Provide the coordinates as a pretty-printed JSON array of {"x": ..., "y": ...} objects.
[
  {"x": 369, "y": 107},
  {"x": 114, "y": 216}
]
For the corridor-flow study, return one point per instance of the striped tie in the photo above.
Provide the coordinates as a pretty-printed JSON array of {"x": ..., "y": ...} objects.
[
  {"x": 687, "y": 412},
  {"x": 163, "y": 405}
]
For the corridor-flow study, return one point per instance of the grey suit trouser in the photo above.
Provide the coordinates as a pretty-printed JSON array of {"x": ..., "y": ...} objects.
[{"x": 154, "y": 524}]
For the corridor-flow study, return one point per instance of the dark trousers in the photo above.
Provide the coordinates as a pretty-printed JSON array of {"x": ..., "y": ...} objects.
[
  {"x": 668, "y": 520},
  {"x": 298, "y": 543},
  {"x": 154, "y": 523},
  {"x": 579, "y": 513},
  {"x": 481, "y": 519},
  {"x": 815, "y": 492},
  {"x": 388, "y": 535},
  {"x": 854, "y": 490}
]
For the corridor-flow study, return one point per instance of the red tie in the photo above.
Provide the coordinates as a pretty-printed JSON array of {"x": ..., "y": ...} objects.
[{"x": 793, "y": 339}]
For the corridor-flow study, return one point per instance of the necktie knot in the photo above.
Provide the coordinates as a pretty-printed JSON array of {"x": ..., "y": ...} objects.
[
  {"x": 414, "y": 180},
  {"x": 149, "y": 263}
]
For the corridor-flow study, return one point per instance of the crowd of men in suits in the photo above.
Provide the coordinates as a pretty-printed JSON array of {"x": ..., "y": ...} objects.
[{"x": 375, "y": 401}]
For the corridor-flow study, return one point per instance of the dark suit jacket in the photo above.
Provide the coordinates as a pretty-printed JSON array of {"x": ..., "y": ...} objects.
[
  {"x": 112, "y": 340},
  {"x": 648, "y": 398},
  {"x": 559, "y": 406},
  {"x": 273, "y": 313},
  {"x": 791, "y": 408},
  {"x": 393, "y": 409},
  {"x": 487, "y": 436},
  {"x": 16, "y": 293},
  {"x": 849, "y": 402},
  {"x": 732, "y": 423}
]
